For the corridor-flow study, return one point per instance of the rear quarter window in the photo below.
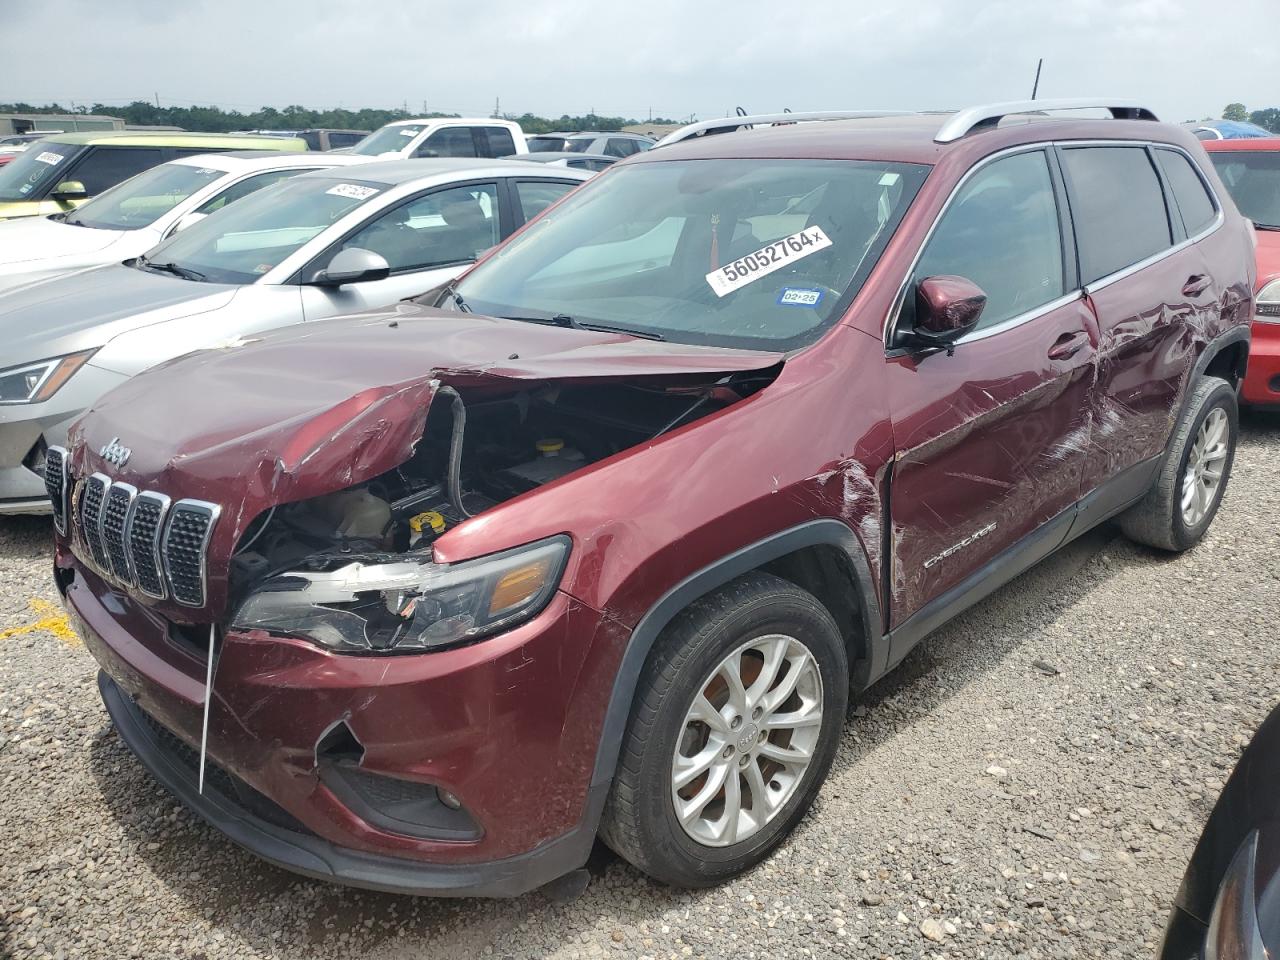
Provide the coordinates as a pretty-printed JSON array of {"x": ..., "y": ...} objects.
[
  {"x": 1118, "y": 207},
  {"x": 1189, "y": 192}
]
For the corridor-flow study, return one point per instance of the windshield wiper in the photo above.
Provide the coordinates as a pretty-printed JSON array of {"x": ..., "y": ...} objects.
[
  {"x": 1266, "y": 226},
  {"x": 172, "y": 268},
  {"x": 456, "y": 297},
  {"x": 564, "y": 320}
]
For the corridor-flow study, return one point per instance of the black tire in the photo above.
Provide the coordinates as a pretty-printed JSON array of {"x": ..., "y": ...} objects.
[
  {"x": 1157, "y": 519},
  {"x": 640, "y": 822}
]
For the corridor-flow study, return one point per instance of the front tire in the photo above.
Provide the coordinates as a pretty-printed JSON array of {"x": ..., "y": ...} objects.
[
  {"x": 737, "y": 718},
  {"x": 1177, "y": 511}
]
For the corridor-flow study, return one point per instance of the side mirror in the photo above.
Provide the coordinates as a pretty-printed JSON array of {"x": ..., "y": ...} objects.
[
  {"x": 352, "y": 265},
  {"x": 946, "y": 309},
  {"x": 70, "y": 190}
]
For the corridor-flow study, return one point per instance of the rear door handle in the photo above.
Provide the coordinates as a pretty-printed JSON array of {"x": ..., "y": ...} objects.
[
  {"x": 1068, "y": 345},
  {"x": 1196, "y": 284}
]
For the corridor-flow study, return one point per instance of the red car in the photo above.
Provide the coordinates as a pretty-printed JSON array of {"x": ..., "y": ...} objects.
[
  {"x": 1250, "y": 169},
  {"x": 598, "y": 540}
]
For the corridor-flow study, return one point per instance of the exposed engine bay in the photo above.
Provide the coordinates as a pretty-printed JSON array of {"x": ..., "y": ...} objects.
[{"x": 475, "y": 452}]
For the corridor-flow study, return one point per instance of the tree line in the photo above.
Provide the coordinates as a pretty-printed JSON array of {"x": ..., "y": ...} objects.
[
  {"x": 1268, "y": 119},
  {"x": 217, "y": 120}
]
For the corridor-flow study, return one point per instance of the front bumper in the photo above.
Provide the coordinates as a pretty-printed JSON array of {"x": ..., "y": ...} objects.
[
  {"x": 509, "y": 725},
  {"x": 1262, "y": 377}
]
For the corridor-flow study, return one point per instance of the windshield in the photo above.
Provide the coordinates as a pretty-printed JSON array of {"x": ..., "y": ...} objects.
[
  {"x": 140, "y": 201},
  {"x": 245, "y": 239},
  {"x": 27, "y": 176},
  {"x": 392, "y": 138},
  {"x": 1253, "y": 180},
  {"x": 758, "y": 254}
]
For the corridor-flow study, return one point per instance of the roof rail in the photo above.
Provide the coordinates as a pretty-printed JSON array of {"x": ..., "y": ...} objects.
[
  {"x": 988, "y": 115},
  {"x": 730, "y": 124}
]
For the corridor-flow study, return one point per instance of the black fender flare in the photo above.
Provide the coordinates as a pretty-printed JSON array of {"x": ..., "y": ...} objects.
[
  {"x": 1228, "y": 338},
  {"x": 825, "y": 531}
]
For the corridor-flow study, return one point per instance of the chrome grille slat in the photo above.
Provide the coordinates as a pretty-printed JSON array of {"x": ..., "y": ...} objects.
[
  {"x": 146, "y": 524},
  {"x": 95, "y": 491},
  {"x": 115, "y": 516},
  {"x": 139, "y": 539},
  {"x": 184, "y": 549},
  {"x": 55, "y": 482}
]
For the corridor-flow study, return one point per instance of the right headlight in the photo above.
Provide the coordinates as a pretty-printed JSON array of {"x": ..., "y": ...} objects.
[
  {"x": 1268, "y": 302},
  {"x": 398, "y": 604},
  {"x": 37, "y": 382}
]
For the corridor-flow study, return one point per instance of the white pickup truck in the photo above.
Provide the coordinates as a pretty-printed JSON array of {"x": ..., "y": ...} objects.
[{"x": 443, "y": 137}]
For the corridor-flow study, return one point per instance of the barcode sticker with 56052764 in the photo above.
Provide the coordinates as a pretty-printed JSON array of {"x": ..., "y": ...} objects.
[{"x": 770, "y": 257}]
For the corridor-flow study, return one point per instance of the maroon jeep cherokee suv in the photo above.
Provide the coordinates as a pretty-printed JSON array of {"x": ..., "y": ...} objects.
[{"x": 599, "y": 540}]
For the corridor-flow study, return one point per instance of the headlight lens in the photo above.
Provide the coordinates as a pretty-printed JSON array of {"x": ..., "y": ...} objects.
[
  {"x": 385, "y": 604},
  {"x": 1269, "y": 300},
  {"x": 37, "y": 382}
]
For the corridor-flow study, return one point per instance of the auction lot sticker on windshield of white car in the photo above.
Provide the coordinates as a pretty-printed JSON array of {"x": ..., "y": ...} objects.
[
  {"x": 52, "y": 159},
  {"x": 770, "y": 257},
  {"x": 352, "y": 191}
]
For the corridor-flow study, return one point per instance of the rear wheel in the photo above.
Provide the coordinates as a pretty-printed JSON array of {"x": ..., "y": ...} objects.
[
  {"x": 737, "y": 718},
  {"x": 1178, "y": 509}
]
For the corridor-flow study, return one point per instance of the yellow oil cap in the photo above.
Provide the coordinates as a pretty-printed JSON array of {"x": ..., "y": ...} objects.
[
  {"x": 549, "y": 447},
  {"x": 431, "y": 519}
]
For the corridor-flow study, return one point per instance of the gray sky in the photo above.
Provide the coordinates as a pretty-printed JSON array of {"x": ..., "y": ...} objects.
[{"x": 1185, "y": 58}]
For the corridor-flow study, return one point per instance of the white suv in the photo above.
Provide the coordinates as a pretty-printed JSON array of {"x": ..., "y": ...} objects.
[{"x": 443, "y": 137}]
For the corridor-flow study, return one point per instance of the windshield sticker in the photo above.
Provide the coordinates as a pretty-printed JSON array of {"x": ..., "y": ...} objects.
[
  {"x": 205, "y": 171},
  {"x": 52, "y": 159},
  {"x": 26, "y": 188},
  {"x": 411, "y": 132},
  {"x": 799, "y": 297},
  {"x": 263, "y": 268},
  {"x": 888, "y": 180},
  {"x": 770, "y": 257},
  {"x": 352, "y": 191}
]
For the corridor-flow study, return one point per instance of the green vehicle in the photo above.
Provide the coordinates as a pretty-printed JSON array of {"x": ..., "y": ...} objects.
[{"x": 64, "y": 170}]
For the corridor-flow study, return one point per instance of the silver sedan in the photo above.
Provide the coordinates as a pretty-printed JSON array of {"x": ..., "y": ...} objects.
[{"x": 320, "y": 244}]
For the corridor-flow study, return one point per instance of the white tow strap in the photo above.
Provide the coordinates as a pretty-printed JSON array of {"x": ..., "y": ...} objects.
[{"x": 208, "y": 699}]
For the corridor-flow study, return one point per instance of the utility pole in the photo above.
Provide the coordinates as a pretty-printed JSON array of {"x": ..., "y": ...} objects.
[
  {"x": 497, "y": 108},
  {"x": 1035, "y": 87},
  {"x": 424, "y": 108},
  {"x": 157, "y": 101}
]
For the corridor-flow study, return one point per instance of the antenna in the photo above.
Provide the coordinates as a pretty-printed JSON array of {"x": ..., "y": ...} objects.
[{"x": 1036, "y": 86}]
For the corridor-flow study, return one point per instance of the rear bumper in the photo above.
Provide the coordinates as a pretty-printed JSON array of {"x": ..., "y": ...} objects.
[
  {"x": 307, "y": 854},
  {"x": 1262, "y": 378}
]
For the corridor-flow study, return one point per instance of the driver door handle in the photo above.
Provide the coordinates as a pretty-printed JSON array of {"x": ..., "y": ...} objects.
[{"x": 1068, "y": 345}]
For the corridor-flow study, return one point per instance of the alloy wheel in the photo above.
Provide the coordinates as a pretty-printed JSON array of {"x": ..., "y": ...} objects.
[
  {"x": 1205, "y": 465},
  {"x": 747, "y": 740}
]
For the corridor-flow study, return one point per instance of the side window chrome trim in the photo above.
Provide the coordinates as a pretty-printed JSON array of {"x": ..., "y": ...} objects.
[
  {"x": 1086, "y": 289},
  {"x": 1036, "y": 313}
]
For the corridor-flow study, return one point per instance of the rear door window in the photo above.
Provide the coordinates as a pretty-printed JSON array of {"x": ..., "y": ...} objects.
[
  {"x": 1001, "y": 231},
  {"x": 495, "y": 141},
  {"x": 1118, "y": 208},
  {"x": 620, "y": 147},
  {"x": 448, "y": 142},
  {"x": 1189, "y": 191},
  {"x": 104, "y": 167}
]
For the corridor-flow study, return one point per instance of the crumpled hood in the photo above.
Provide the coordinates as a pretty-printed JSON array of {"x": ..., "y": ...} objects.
[
  {"x": 37, "y": 238},
  {"x": 78, "y": 311},
  {"x": 316, "y": 407}
]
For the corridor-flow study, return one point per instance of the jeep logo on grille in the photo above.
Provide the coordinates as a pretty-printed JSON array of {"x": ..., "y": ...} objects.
[{"x": 115, "y": 452}]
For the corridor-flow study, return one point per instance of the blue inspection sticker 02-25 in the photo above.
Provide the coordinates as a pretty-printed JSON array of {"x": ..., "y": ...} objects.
[{"x": 799, "y": 297}]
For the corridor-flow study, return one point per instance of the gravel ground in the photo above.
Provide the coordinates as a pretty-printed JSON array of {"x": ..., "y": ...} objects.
[{"x": 980, "y": 805}]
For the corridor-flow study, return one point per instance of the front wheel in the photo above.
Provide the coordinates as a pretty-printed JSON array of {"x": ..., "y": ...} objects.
[
  {"x": 737, "y": 718},
  {"x": 1178, "y": 509}
]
